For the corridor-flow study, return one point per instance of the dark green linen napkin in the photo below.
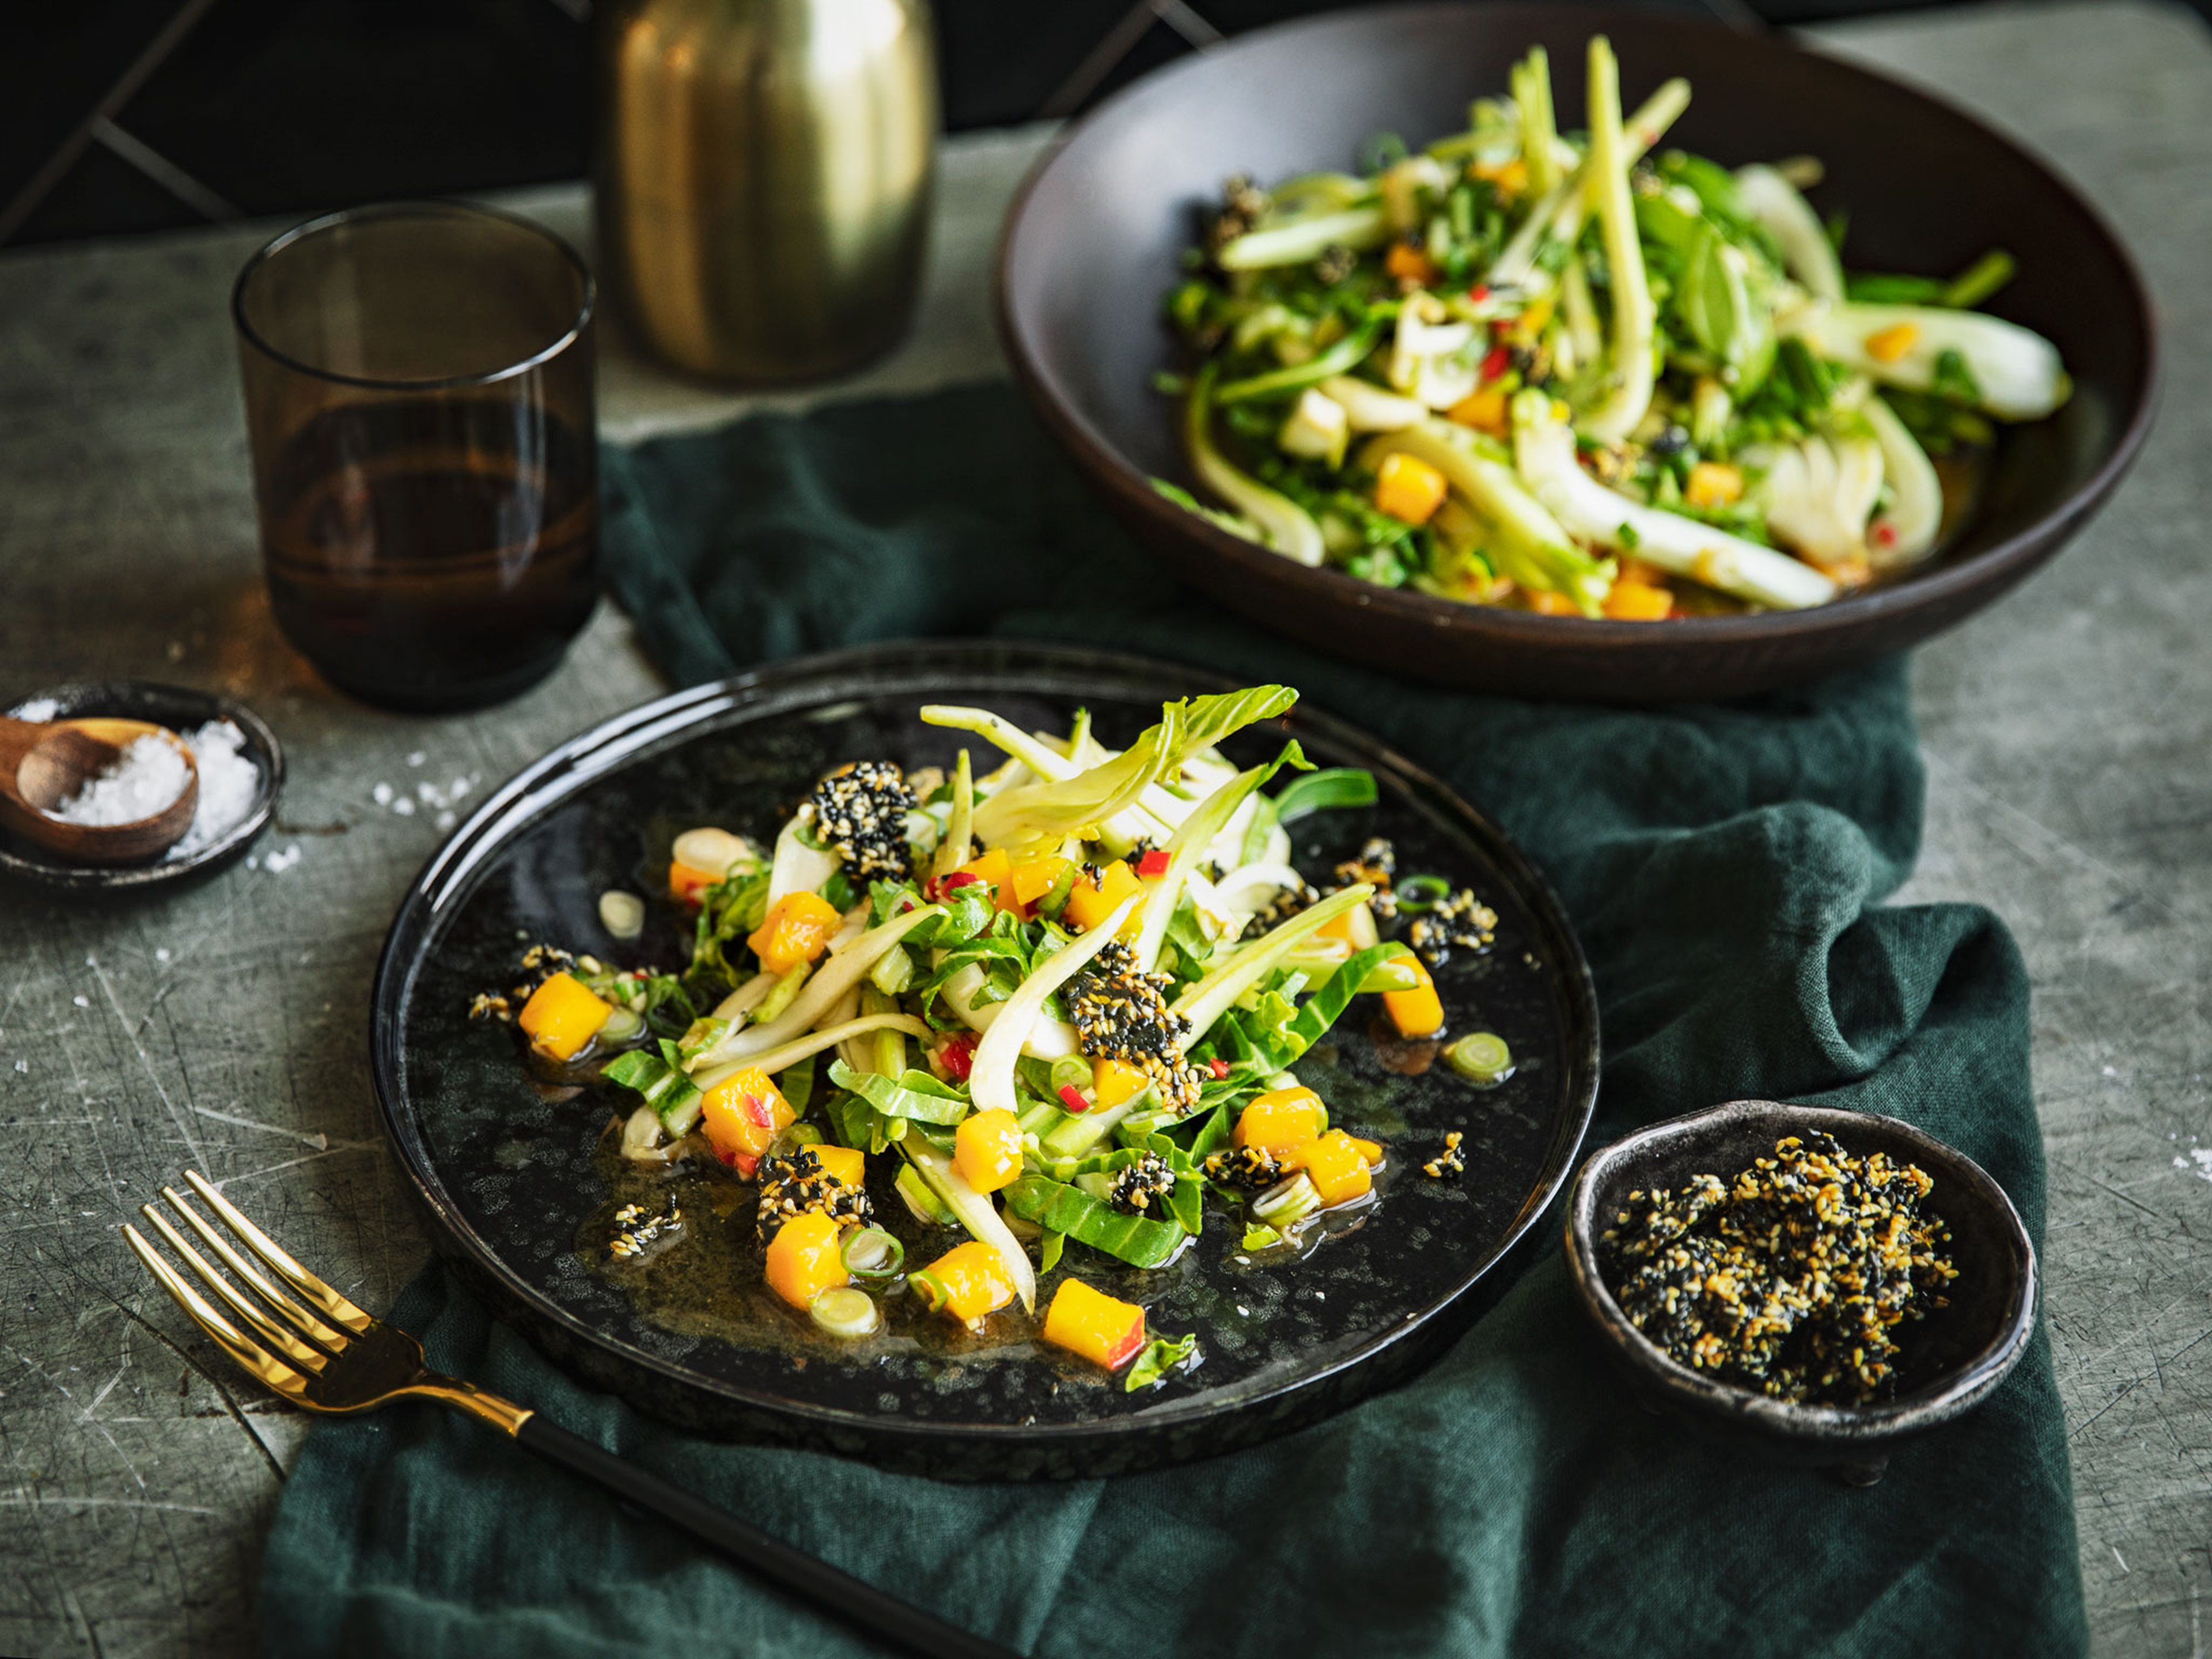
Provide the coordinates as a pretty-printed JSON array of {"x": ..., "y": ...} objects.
[{"x": 1726, "y": 866}]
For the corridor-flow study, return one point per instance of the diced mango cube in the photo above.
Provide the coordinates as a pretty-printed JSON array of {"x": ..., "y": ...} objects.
[
  {"x": 1033, "y": 878},
  {"x": 686, "y": 882},
  {"x": 1090, "y": 902},
  {"x": 987, "y": 1149},
  {"x": 1408, "y": 488},
  {"x": 1336, "y": 1167},
  {"x": 1369, "y": 1150},
  {"x": 996, "y": 869},
  {"x": 1484, "y": 410},
  {"x": 804, "y": 1258},
  {"x": 1419, "y": 1012},
  {"x": 796, "y": 929},
  {"x": 562, "y": 1016},
  {"x": 1409, "y": 263},
  {"x": 1638, "y": 602},
  {"x": 1887, "y": 345},
  {"x": 1280, "y": 1122},
  {"x": 1713, "y": 483},
  {"x": 1552, "y": 605},
  {"x": 1115, "y": 1082},
  {"x": 845, "y": 1164},
  {"x": 1103, "y": 1329},
  {"x": 742, "y": 1115},
  {"x": 967, "y": 1281}
]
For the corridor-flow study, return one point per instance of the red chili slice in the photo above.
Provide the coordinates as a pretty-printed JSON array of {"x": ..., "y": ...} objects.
[
  {"x": 1478, "y": 293},
  {"x": 1220, "y": 1068},
  {"x": 1497, "y": 362},
  {"x": 1153, "y": 863},
  {"x": 1071, "y": 1098},
  {"x": 958, "y": 1056}
]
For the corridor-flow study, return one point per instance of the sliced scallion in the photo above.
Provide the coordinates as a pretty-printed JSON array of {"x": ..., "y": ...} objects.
[
  {"x": 621, "y": 1027},
  {"x": 845, "y": 1312},
  {"x": 871, "y": 1252},
  {"x": 1480, "y": 1057},
  {"x": 1420, "y": 893},
  {"x": 1287, "y": 1202}
]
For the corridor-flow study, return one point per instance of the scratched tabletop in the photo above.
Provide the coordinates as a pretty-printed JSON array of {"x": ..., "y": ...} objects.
[{"x": 2067, "y": 734}]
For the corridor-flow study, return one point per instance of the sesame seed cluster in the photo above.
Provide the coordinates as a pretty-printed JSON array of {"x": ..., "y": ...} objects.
[
  {"x": 1136, "y": 1185},
  {"x": 792, "y": 1181},
  {"x": 1462, "y": 920},
  {"x": 1246, "y": 1169},
  {"x": 638, "y": 1228},
  {"x": 1121, "y": 1014},
  {"x": 1793, "y": 1278},
  {"x": 861, "y": 809}
]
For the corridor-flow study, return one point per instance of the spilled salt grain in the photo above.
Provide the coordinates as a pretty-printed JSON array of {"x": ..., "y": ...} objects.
[
  {"x": 148, "y": 778},
  {"x": 381, "y": 794},
  {"x": 277, "y": 863}
]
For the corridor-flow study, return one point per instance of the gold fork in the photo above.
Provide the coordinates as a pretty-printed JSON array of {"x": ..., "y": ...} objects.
[{"x": 299, "y": 1336}]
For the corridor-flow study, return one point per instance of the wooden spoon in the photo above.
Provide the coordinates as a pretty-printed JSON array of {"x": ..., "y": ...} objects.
[{"x": 43, "y": 764}]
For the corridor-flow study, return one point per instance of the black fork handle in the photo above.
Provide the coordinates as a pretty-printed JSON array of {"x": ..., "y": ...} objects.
[{"x": 905, "y": 1627}]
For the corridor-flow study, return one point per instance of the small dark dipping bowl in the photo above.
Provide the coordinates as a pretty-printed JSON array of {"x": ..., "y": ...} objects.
[
  {"x": 1095, "y": 239},
  {"x": 181, "y": 709},
  {"x": 1950, "y": 1361}
]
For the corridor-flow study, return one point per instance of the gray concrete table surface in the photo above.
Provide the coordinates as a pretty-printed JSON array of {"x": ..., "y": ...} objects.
[{"x": 2065, "y": 732}]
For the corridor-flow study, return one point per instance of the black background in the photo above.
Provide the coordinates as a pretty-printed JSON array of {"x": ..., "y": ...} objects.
[{"x": 297, "y": 106}]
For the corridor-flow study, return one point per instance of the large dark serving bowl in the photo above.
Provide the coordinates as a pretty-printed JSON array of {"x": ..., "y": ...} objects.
[{"x": 1094, "y": 239}]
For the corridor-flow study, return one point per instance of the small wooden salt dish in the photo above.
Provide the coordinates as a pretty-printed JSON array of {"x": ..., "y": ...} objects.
[{"x": 43, "y": 764}]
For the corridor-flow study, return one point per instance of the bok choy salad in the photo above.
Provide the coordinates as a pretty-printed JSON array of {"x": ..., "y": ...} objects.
[
  {"x": 1057, "y": 1001},
  {"x": 1582, "y": 374}
]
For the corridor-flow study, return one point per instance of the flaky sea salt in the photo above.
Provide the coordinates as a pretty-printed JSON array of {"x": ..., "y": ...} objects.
[
  {"x": 148, "y": 778},
  {"x": 229, "y": 783}
]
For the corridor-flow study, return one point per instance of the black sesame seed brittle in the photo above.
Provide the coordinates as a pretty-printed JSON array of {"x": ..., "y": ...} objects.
[
  {"x": 1121, "y": 1014},
  {"x": 861, "y": 809},
  {"x": 795, "y": 1181},
  {"x": 1792, "y": 1279},
  {"x": 1245, "y": 1169},
  {"x": 1136, "y": 1185}
]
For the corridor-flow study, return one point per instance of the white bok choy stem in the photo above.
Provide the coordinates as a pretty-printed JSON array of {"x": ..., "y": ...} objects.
[
  {"x": 991, "y": 1072},
  {"x": 797, "y": 868},
  {"x": 740, "y": 1003},
  {"x": 811, "y": 1043},
  {"x": 975, "y": 1212},
  {"x": 1047, "y": 1038},
  {"x": 1288, "y": 528},
  {"x": 1914, "y": 512},
  {"x": 1807, "y": 253},
  {"x": 1544, "y": 452},
  {"x": 1186, "y": 848},
  {"x": 839, "y": 973},
  {"x": 1559, "y": 214},
  {"x": 1635, "y": 319},
  {"x": 2016, "y": 371},
  {"x": 960, "y": 825},
  {"x": 1202, "y": 1004}
]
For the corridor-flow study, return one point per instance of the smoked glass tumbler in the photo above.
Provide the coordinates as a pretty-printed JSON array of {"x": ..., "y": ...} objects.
[{"x": 419, "y": 401}]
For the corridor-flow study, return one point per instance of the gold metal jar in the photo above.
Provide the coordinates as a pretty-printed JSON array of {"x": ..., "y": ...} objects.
[{"x": 763, "y": 171}]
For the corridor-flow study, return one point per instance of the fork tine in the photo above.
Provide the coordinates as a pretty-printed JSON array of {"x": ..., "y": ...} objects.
[
  {"x": 225, "y": 1335},
  {"x": 317, "y": 1331},
  {"x": 332, "y": 1305},
  {"x": 272, "y": 1333}
]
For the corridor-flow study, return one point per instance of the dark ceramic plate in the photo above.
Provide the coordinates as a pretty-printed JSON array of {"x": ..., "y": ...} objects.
[
  {"x": 520, "y": 1186},
  {"x": 1094, "y": 239},
  {"x": 176, "y": 706},
  {"x": 1949, "y": 1361}
]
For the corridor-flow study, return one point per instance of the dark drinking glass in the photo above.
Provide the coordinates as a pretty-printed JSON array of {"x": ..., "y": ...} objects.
[{"x": 419, "y": 395}]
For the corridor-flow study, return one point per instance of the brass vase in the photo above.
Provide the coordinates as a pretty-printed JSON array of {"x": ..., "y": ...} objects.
[{"x": 763, "y": 173}]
